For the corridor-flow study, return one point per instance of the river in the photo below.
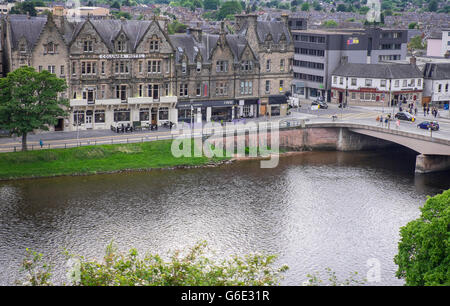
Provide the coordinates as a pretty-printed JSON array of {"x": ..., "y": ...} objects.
[{"x": 315, "y": 210}]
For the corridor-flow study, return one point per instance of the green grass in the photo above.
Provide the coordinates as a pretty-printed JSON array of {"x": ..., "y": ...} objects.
[{"x": 94, "y": 159}]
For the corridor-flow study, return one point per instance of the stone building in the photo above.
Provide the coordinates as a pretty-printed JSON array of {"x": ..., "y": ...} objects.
[
  {"x": 437, "y": 84},
  {"x": 133, "y": 72}
]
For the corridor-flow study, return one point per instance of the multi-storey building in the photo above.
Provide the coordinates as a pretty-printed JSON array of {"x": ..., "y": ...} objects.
[
  {"x": 437, "y": 83},
  {"x": 319, "y": 52},
  {"x": 377, "y": 84},
  {"x": 129, "y": 71}
]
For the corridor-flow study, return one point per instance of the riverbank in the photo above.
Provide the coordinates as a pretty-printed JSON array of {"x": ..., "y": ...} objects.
[{"x": 97, "y": 160}]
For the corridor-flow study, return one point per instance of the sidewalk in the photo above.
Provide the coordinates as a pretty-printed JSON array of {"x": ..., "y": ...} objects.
[{"x": 442, "y": 114}]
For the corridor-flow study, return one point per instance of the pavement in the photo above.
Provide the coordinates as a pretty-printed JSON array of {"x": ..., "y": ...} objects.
[{"x": 352, "y": 114}]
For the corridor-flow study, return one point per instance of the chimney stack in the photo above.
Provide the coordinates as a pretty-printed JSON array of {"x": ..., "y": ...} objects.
[{"x": 413, "y": 60}]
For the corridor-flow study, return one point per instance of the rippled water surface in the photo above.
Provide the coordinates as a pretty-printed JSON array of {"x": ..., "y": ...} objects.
[{"x": 315, "y": 210}]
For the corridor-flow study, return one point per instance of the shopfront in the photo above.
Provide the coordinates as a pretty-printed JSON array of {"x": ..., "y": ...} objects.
[
  {"x": 198, "y": 111},
  {"x": 246, "y": 108},
  {"x": 277, "y": 105}
]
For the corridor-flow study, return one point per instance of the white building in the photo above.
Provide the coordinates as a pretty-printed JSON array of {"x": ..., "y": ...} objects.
[
  {"x": 377, "y": 84},
  {"x": 437, "y": 83}
]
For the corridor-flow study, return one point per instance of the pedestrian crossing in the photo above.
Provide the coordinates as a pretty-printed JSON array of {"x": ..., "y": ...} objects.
[{"x": 364, "y": 115}]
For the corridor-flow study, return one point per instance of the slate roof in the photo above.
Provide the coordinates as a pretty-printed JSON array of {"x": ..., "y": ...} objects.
[
  {"x": 263, "y": 28},
  {"x": 378, "y": 71},
  {"x": 186, "y": 44},
  {"x": 439, "y": 71},
  {"x": 28, "y": 28}
]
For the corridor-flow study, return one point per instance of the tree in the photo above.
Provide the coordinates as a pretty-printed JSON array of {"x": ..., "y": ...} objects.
[
  {"x": 229, "y": 8},
  {"x": 29, "y": 100},
  {"x": 341, "y": 8},
  {"x": 305, "y": 7},
  {"x": 330, "y": 24},
  {"x": 116, "y": 5},
  {"x": 413, "y": 25},
  {"x": 424, "y": 249},
  {"x": 176, "y": 27},
  {"x": 24, "y": 8},
  {"x": 188, "y": 268},
  {"x": 211, "y": 4},
  {"x": 433, "y": 6}
]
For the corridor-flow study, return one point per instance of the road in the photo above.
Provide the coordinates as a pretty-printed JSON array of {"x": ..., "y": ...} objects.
[{"x": 352, "y": 114}]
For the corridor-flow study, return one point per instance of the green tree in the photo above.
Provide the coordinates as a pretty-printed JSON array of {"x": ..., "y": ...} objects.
[
  {"x": 115, "y": 5},
  {"x": 433, "y": 6},
  {"x": 412, "y": 25},
  {"x": 27, "y": 7},
  {"x": 424, "y": 249},
  {"x": 330, "y": 24},
  {"x": 229, "y": 8},
  {"x": 176, "y": 27},
  {"x": 29, "y": 100},
  {"x": 341, "y": 8},
  {"x": 305, "y": 7},
  {"x": 211, "y": 4}
]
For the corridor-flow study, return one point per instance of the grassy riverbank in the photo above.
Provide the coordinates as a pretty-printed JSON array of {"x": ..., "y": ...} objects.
[{"x": 94, "y": 159}]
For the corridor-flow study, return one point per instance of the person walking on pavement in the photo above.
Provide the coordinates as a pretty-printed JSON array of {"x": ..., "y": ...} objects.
[
  {"x": 428, "y": 110},
  {"x": 415, "y": 111},
  {"x": 41, "y": 143},
  {"x": 381, "y": 120},
  {"x": 424, "y": 111}
]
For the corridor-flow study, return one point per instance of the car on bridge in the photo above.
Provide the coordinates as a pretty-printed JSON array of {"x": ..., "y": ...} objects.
[
  {"x": 404, "y": 116},
  {"x": 433, "y": 125},
  {"x": 320, "y": 103}
]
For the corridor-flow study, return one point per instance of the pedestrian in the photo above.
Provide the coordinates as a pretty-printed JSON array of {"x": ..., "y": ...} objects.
[
  {"x": 428, "y": 110},
  {"x": 398, "y": 123},
  {"x": 386, "y": 121},
  {"x": 381, "y": 120},
  {"x": 41, "y": 143},
  {"x": 415, "y": 111},
  {"x": 424, "y": 111}
]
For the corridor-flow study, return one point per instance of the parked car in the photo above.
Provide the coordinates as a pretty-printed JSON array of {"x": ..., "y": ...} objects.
[
  {"x": 434, "y": 125},
  {"x": 405, "y": 116},
  {"x": 320, "y": 103}
]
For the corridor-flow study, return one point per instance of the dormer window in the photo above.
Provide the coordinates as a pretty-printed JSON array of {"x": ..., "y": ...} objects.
[
  {"x": 22, "y": 48},
  {"x": 50, "y": 48},
  {"x": 88, "y": 46},
  {"x": 154, "y": 45},
  {"x": 199, "y": 66},
  {"x": 183, "y": 67},
  {"x": 247, "y": 65},
  {"x": 121, "y": 46}
]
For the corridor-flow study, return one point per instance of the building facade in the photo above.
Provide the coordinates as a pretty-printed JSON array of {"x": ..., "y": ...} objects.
[
  {"x": 377, "y": 84},
  {"x": 133, "y": 72},
  {"x": 319, "y": 52},
  {"x": 437, "y": 83}
]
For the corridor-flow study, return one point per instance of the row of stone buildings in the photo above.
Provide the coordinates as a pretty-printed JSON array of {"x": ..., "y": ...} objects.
[{"x": 129, "y": 71}]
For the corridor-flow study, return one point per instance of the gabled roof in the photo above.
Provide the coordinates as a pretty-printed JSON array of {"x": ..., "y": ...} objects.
[
  {"x": 439, "y": 71},
  {"x": 378, "y": 71},
  {"x": 27, "y": 28},
  {"x": 276, "y": 29},
  {"x": 186, "y": 44}
]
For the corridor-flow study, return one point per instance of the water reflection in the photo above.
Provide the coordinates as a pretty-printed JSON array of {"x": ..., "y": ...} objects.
[{"x": 316, "y": 210}]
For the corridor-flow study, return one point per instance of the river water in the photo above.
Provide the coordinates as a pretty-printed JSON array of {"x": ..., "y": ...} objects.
[{"x": 315, "y": 210}]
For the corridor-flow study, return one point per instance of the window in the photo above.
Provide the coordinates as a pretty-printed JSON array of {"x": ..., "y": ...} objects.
[
  {"x": 246, "y": 65},
  {"x": 383, "y": 83},
  {"x": 221, "y": 88},
  {"x": 353, "y": 95},
  {"x": 282, "y": 64},
  {"x": 183, "y": 67},
  {"x": 144, "y": 114},
  {"x": 74, "y": 69},
  {"x": 140, "y": 90},
  {"x": 154, "y": 66},
  {"x": 353, "y": 82},
  {"x": 121, "y": 92},
  {"x": 166, "y": 89},
  {"x": 51, "y": 69},
  {"x": 268, "y": 65},
  {"x": 140, "y": 66},
  {"x": 99, "y": 116},
  {"x": 183, "y": 90},
  {"x": 221, "y": 66},
  {"x": 153, "y": 91},
  {"x": 198, "y": 90},
  {"x": 446, "y": 87},
  {"x": 154, "y": 45},
  {"x": 164, "y": 113},
  {"x": 78, "y": 117},
  {"x": 121, "y": 67},
  {"x": 397, "y": 83},
  {"x": 267, "y": 86},
  {"x": 40, "y": 68},
  {"x": 439, "y": 87},
  {"x": 412, "y": 83},
  {"x": 88, "y": 46},
  {"x": 419, "y": 82},
  {"x": 88, "y": 68},
  {"x": 50, "y": 48},
  {"x": 199, "y": 66},
  {"x": 368, "y": 82},
  {"x": 103, "y": 91},
  {"x": 405, "y": 83},
  {"x": 22, "y": 48},
  {"x": 121, "y": 46},
  {"x": 341, "y": 81},
  {"x": 246, "y": 87},
  {"x": 121, "y": 115},
  {"x": 61, "y": 70},
  {"x": 281, "y": 85},
  {"x": 103, "y": 67},
  {"x": 335, "y": 80}
]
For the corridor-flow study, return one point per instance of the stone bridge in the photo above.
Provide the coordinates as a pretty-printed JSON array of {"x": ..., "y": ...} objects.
[{"x": 434, "y": 153}]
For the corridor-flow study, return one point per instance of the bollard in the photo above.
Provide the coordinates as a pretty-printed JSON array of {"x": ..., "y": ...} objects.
[{"x": 15, "y": 149}]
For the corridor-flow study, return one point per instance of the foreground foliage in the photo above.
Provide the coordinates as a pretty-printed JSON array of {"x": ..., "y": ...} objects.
[
  {"x": 423, "y": 257},
  {"x": 190, "y": 268}
]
